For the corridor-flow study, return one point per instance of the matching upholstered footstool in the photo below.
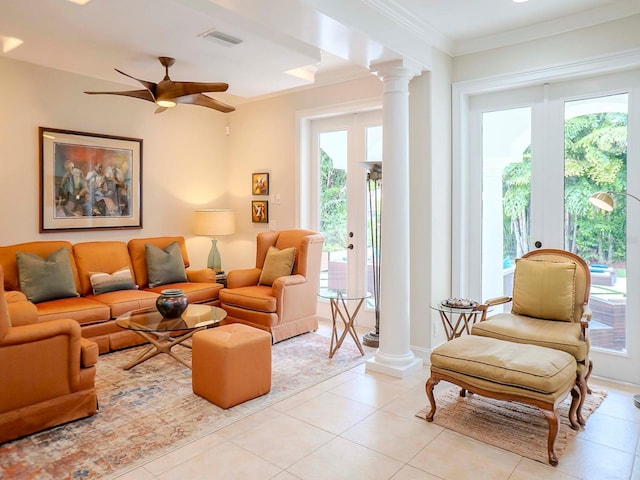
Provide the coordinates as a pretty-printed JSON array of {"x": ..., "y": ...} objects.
[
  {"x": 231, "y": 364},
  {"x": 537, "y": 376}
]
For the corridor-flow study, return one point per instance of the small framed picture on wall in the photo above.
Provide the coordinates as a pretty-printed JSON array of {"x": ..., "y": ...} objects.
[
  {"x": 260, "y": 183},
  {"x": 259, "y": 211}
]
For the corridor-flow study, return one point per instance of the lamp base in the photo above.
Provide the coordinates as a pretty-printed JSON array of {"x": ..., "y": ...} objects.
[
  {"x": 214, "y": 262},
  {"x": 371, "y": 339}
]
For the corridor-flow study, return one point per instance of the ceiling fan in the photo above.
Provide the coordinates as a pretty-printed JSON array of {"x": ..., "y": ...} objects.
[{"x": 168, "y": 93}]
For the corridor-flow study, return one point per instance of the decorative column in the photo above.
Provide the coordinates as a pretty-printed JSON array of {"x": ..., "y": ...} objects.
[{"x": 394, "y": 356}]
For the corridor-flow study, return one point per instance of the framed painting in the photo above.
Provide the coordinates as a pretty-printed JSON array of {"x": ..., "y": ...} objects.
[
  {"x": 259, "y": 211},
  {"x": 89, "y": 181},
  {"x": 260, "y": 183}
]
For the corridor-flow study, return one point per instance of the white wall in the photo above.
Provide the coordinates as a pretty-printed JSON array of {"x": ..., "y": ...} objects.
[
  {"x": 616, "y": 36},
  {"x": 263, "y": 139},
  {"x": 184, "y": 153}
]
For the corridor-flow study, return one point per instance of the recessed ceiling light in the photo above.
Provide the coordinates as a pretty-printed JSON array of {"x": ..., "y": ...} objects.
[
  {"x": 9, "y": 43},
  {"x": 79, "y": 2},
  {"x": 520, "y": 1}
]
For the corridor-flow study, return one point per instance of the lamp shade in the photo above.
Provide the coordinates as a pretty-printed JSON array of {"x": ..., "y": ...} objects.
[
  {"x": 602, "y": 200},
  {"x": 212, "y": 222}
]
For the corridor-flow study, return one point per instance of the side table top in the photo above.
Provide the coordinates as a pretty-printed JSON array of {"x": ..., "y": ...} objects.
[{"x": 344, "y": 295}]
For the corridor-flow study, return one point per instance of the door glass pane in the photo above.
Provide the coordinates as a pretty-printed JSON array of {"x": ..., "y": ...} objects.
[
  {"x": 373, "y": 153},
  {"x": 333, "y": 208},
  {"x": 506, "y": 194},
  {"x": 596, "y": 160}
]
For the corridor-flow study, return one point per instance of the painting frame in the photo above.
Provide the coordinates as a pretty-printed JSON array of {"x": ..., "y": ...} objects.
[
  {"x": 260, "y": 183},
  {"x": 260, "y": 211},
  {"x": 89, "y": 181}
]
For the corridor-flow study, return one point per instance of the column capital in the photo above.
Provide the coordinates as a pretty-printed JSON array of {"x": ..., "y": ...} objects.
[{"x": 396, "y": 68}]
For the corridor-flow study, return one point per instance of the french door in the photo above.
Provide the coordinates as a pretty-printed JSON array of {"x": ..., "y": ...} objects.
[
  {"x": 341, "y": 208},
  {"x": 538, "y": 154}
]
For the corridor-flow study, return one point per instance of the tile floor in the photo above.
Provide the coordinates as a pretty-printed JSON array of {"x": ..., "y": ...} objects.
[{"x": 361, "y": 425}]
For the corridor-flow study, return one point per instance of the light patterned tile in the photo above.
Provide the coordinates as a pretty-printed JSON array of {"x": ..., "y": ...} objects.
[
  {"x": 454, "y": 457},
  {"x": 283, "y": 440},
  {"x": 331, "y": 412},
  {"x": 393, "y": 436},
  {"x": 613, "y": 432},
  {"x": 529, "y": 469},
  {"x": 411, "y": 473},
  {"x": 248, "y": 422},
  {"x": 227, "y": 461},
  {"x": 370, "y": 391},
  {"x": 341, "y": 459},
  {"x": 593, "y": 461}
]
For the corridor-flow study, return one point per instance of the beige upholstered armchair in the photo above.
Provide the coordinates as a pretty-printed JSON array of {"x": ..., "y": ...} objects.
[
  {"x": 279, "y": 295},
  {"x": 48, "y": 370},
  {"x": 550, "y": 308}
]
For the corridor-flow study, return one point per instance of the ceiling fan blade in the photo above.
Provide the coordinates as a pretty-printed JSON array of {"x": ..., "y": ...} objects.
[
  {"x": 142, "y": 94},
  {"x": 205, "y": 101},
  {"x": 148, "y": 85},
  {"x": 160, "y": 109},
  {"x": 171, "y": 89}
]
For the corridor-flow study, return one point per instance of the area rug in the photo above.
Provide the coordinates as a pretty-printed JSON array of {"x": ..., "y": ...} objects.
[
  {"x": 151, "y": 409},
  {"x": 514, "y": 427}
]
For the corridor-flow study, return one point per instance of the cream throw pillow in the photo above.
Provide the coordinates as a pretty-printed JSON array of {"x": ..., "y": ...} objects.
[
  {"x": 277, "y": 263},
  {"x": 543, "y": 289},
  {"x": 119, "y": 280}
]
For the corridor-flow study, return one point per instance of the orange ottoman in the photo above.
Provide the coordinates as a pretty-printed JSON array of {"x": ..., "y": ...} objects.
[{"x": 231, "y": 364}]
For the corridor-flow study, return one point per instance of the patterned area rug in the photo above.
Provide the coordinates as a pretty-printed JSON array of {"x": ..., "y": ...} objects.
[
  {"x": 514, "y": 427},
  {"x": 151, "y": 409}
]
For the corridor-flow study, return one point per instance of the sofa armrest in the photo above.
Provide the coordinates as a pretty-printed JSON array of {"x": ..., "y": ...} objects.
[
  {"x": 243, "y": 278},
  {"x": 21, "y": 310},
  {"x": 293, "y": 297},
  {"x": 41, "y": 361},
  {"x": 201, "y": 275},
  {"x": 88, "y": 352}
]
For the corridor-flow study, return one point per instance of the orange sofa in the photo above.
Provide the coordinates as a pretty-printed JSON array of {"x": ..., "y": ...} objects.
[
  {"x": 96, "y": 314},
  {"x": 47, "y": 373}
]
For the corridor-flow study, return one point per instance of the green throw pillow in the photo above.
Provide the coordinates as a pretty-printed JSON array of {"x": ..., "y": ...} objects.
[
  {"x": 277, "y": 263},
  {"x": 119, "y": 280},
  {"x": 43, "y": 279},
  {"x": 164, "y": 266},
  {"x": 543, "y": 289}
]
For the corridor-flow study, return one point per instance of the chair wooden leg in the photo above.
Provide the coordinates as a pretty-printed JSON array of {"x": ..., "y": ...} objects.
[
  {"x": 432, "y": 382},
  {"x": 554, "y": 425},
  {"x": 586, "y": 378},
  {"x": 573, "y": 410}
]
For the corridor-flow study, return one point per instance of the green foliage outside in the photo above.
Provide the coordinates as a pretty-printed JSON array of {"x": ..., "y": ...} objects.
[
  {"x": 595, "y": 160},
  {"x": 333, "y": 204}
]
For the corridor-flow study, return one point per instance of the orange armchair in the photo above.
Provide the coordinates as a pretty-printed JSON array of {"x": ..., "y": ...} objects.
[
  {"x": 287, "y": 307},
  {"x": 47, "y": 373}
]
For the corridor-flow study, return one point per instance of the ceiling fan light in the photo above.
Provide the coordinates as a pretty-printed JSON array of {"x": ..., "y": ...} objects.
[{"x": 166, "y": 103}]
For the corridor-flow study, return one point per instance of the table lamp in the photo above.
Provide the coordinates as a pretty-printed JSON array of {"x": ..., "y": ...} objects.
[
  {"x": 213, "y": 222},
  {"x": 604, "y": 201}
]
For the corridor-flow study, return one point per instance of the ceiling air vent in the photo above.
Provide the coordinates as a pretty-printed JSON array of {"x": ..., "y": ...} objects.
[{"x": 221, "y": 38}]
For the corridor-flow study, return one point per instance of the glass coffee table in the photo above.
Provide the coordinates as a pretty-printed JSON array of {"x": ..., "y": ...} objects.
[{"x": 165, "y": 333}]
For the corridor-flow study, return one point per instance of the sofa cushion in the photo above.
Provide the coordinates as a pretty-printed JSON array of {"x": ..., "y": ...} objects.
[
  {"x": 164, "y": 265},
  {"x": 123, "y": 301},
  {"x": 257, "y": 298},
  {"x": 81, "y": 309},
  {"x": 49, "y": 278},
  {"x": 543, "y": 289},
  {"x": 119, "y": 280},
  {"x": 545, "y": 333},
  {"x": 278, "y": 263}
]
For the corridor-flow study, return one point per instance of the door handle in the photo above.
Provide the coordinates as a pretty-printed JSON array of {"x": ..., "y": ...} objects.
[{"x": 538, "y": 244}]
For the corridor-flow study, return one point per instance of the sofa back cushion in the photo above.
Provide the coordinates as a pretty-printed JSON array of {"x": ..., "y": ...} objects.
[
  {"x": 49, "y": 278},
  {"x": 137, "y": 252},
  {"x": 164, "y": 265},
  {"x": 43, "y": 249},
  {"x": 99, "y": 257}
]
